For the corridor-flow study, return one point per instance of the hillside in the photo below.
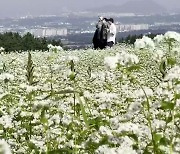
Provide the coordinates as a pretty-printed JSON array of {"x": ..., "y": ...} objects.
[{"x": 137, "y": 7}]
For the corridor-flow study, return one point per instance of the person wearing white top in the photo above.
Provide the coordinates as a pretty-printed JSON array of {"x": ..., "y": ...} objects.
[{"x": 111, "y": 35}]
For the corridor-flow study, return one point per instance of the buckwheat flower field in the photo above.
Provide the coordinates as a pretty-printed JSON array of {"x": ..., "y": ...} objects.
[{"x": 122, "y": 100}]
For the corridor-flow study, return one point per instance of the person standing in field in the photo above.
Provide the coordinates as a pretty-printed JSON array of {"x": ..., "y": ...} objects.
[
  {"x": 97, "y": 34},
  {"x": 111, "y": 34},
  {"x": 100, "y": 35},
  {"x": 104, "y": 33}
]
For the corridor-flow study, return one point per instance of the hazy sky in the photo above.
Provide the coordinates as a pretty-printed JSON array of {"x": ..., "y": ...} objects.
[{"x": 17, "y": 8}]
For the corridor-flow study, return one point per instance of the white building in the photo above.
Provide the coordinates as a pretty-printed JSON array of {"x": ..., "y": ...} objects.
[
  {"x": 46, "y": 32},
  {"x": 131, "y": 27}
]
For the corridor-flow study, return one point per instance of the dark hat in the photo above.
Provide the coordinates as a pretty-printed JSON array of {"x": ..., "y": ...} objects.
[
  {"x": 106, "y": 19},
  {"x": 111, "y": 19}
]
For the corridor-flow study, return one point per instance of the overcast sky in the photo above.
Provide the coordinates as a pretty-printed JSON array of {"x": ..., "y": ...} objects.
[{"x": 17, "y": 8}]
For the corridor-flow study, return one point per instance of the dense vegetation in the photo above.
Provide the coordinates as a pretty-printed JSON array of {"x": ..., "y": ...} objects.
[
  {"x": 15, "y": 42},
  {"x": 122, "y": 100}
]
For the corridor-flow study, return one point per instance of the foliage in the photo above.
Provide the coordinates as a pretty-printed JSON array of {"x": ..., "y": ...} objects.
[
  {"x": 119, "y": 100},
  {"x": 15, "y": 42}
]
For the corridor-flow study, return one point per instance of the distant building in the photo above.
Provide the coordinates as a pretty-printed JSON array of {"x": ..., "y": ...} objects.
[
  {"x": 131, "y": 27},
  {"x": 62, "y": 31},
  {"x": 50, "y": 32},
  {"x": 47, "y": 32}
]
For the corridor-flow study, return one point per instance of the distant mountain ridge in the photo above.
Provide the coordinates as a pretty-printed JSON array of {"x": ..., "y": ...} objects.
[{"x": 135, "y": 6}]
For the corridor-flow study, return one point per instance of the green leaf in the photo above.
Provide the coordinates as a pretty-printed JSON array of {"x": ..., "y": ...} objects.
[
  {"x": 177, "y": 96},
  {"x": 43, "y": 118},
  {"x": 164, "y": 141},
  {"x": 32, "y": 146},
  {"x": 157, "y": 137},
  {"x": 72, "y": 76},
  {"x": 97, "y": 122},
  {"x": 148, "y": 149},
  {"x": 177, "y": 82},
  {"x": 134, "y": 136},
  {"x": 166, "y": 105},
  {"x": 162, "y": 68},
  {"x": 9, "y": 97},
  {"x": 177, "y": 115},
  {"x": 171, "y": 61},
  {"x": 64, "y": 92},
  {"x": 169, "y": 119},
  {"x": 132, "y": 68},
  {"x": 61, "y": 151},
  {"x": 83, "y": 112}
]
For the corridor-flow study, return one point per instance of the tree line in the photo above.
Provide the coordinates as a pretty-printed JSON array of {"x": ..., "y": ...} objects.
[{"x": 15, "y": 42}]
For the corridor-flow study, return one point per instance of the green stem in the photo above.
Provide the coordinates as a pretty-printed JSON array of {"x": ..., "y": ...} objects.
[
  {"x": 74, "y": 98},
  {"x": 148, "y": 117},
  {"x": 173, "y": 128}
]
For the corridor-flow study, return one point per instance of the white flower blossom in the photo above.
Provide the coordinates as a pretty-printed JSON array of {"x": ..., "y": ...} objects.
[
  {"x": 4, "y": 147},
  {"x": 29, "y": 88},
  {"x": 158, "y": 38},
  {"x": 145, "y": 42},
  {"x": 26, "y": 114},
  {"x": 6, "y": 76},
  {"x": 142, "y": 92},
  {"x": 139, "y": 44},
  {"x": 126, "y": 149},
  {"x": 134, "y": 107},
  {"x": 127, "y": 127},
  {"x": 6, "y": 121},
  {"x": 173, "y": 73},
  {"x": 87, "y": 94},
  {"x": 1, "y": 49},
  {"x": 158, "y": 123},
  {"x": 39, "y": 143},
  {"x": 104, "y": 149},
  {"x": 123, "y": 58},
  {"x": 54, "y": 48},
  {"x": 157, "y": 55},
  {"x": 111, "y": 61},
  {"x": 127, "y": 59},
  {"x": 74, "y": 58},
  {"x": 67, "y": 119},
  {"x": 42, "y": 103},
  {"x": 105, "y": 131},
  {"x": 105, "y": 97},
  {"x": 172, "y": 35}
]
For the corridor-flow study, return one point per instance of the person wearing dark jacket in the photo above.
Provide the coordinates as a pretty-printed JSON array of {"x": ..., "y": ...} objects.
[
  {"x": 100, "y": 35},
  {"x": 97, "y": 34}
]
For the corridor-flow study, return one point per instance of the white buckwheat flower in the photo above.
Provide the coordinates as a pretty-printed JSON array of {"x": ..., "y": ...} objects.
[
  {"x": 158, "y": 54},
  {"x": 105, "y": 131},
  {"x": 172, "y": 35},
  {"x": 74, "y": 58},
  {"x": 54, "y": 48},
  {"x": 173, "y": 73},
  {"x": 111, "y": 61},
  {"x": 139, "y": 44},
  {"x": 141, "y": 92},
  {"x": 145, "y": 42},
  {"x": 158, "y": 38},
  {"x": 6, "y": 76},
  {"x": 4, "y": 147},
  {"x": 6, "y": 121}
]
